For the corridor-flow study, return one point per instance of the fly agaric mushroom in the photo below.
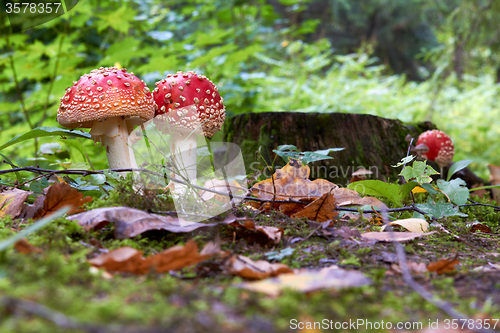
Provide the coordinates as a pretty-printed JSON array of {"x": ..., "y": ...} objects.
[
  {"x": 111, "y": 102},
  {"x": 440, "y": 147},
  {"x": 188, "y": 104}
]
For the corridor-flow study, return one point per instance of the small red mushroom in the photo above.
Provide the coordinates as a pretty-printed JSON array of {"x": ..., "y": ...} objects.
[
  {"x": 188, "y": 104},
  {"x": 110, "y": 101},
  {"x": 440, "y": 146}
]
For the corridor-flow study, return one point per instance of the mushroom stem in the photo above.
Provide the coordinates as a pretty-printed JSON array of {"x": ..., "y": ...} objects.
[
  {"x": 114, "y": 135},
  {"x": 183, "y": 148}
]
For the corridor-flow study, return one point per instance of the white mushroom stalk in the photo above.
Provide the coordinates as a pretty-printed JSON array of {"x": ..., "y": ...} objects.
[
  {"x": 188, "y": 105},
  {"x": 113, "y": 134}
]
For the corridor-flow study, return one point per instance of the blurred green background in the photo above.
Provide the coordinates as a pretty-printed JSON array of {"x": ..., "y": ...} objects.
[{"x": 414, "y": 60}]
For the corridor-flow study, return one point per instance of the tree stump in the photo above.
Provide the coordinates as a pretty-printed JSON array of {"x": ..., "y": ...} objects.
[{"x": 370, "y": 142}]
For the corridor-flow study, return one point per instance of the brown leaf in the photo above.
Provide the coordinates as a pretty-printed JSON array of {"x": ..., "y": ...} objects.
[
  {"x": 12, "y": 202},
  {"x": 291, "y": 182},
  {"x": 255, "y": 270},
  {"x": 347, "y": 197},
  {"x": 222, "y": 186},
  {"x": 320, "y": 210},
  {"x": 130, "y": 222},
  {"x": 130, "y": 260},
  {"x": 443, "y": 266},
  {"x": 24, "y": 247},
  {"x": 60, "y": 195},
  {"x": 274, "y": 234},
  {"x": 309, "y": 280},
  {"x": 390, "y": 236}
]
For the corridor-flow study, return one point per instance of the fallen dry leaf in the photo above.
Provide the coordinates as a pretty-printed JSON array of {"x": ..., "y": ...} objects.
[
  {"x": 495, "y": 180},
  {"x": 394, "y": 236},
  {"x": 24, "y": 247},
  {"x": 346, "y": 197},
  {"x": 12, "y": 202},
  {"x": 443, "y": 266},
  {"x": 130, "y": 222},
  {"x": 255, "y": 270},
  {"x": 413, "y": 268},
  {"x": 274, "y": 234},
  {"x": 413, "y": 225},
  {"x": 322, "y": 209},
  {"x": 60, "y": 195},
  {"x": 309, "y": 280},
  {"x": 130, "y": 260}
]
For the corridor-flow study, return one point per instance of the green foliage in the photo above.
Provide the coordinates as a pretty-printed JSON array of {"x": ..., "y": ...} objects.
[
  {"x": 394, "y": 192},
  {"x": 40, "y": 132},
  {"x": 457, "y": 166},
  {"x": 439, "y": 209},
  {"x": 420, "y": 171},
  {"x": 456, "y": 190}
]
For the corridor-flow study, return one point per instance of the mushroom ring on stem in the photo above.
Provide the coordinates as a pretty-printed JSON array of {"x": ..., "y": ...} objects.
[
  {"x": 111, "y": 102},
  {"x": 188, "y": 105}
]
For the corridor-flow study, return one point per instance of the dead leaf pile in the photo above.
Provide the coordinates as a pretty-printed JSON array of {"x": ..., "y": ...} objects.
[
  {"x": 129, "y": 260},
  {"x": 319, "y": 196}
]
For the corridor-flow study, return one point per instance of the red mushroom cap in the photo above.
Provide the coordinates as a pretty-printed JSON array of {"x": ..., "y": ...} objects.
[
  {"x": 441, "y": 148},
  {"x": 103, "y": 93},
  {"x": 188, "y": 101}
]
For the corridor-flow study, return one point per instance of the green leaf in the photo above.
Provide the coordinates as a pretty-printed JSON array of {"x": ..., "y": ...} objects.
[
  {"x": 327, "y": 151},
  {"x": 393, "y": 192},
  {"x": 32, "y": 228},
  {"x": 404, "y": 161},
  {"x": 440, "y": 209},
  {"x": 456, "y": 190},
  {"x": 45, "y": 131},
  {"x": 287, "y": 147},
  {"x": 428, "y": 187},
  {"x": 457, "y": 167},
  {"x": 484, "y": 187},
  {"x": 290, "y": 151}
]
